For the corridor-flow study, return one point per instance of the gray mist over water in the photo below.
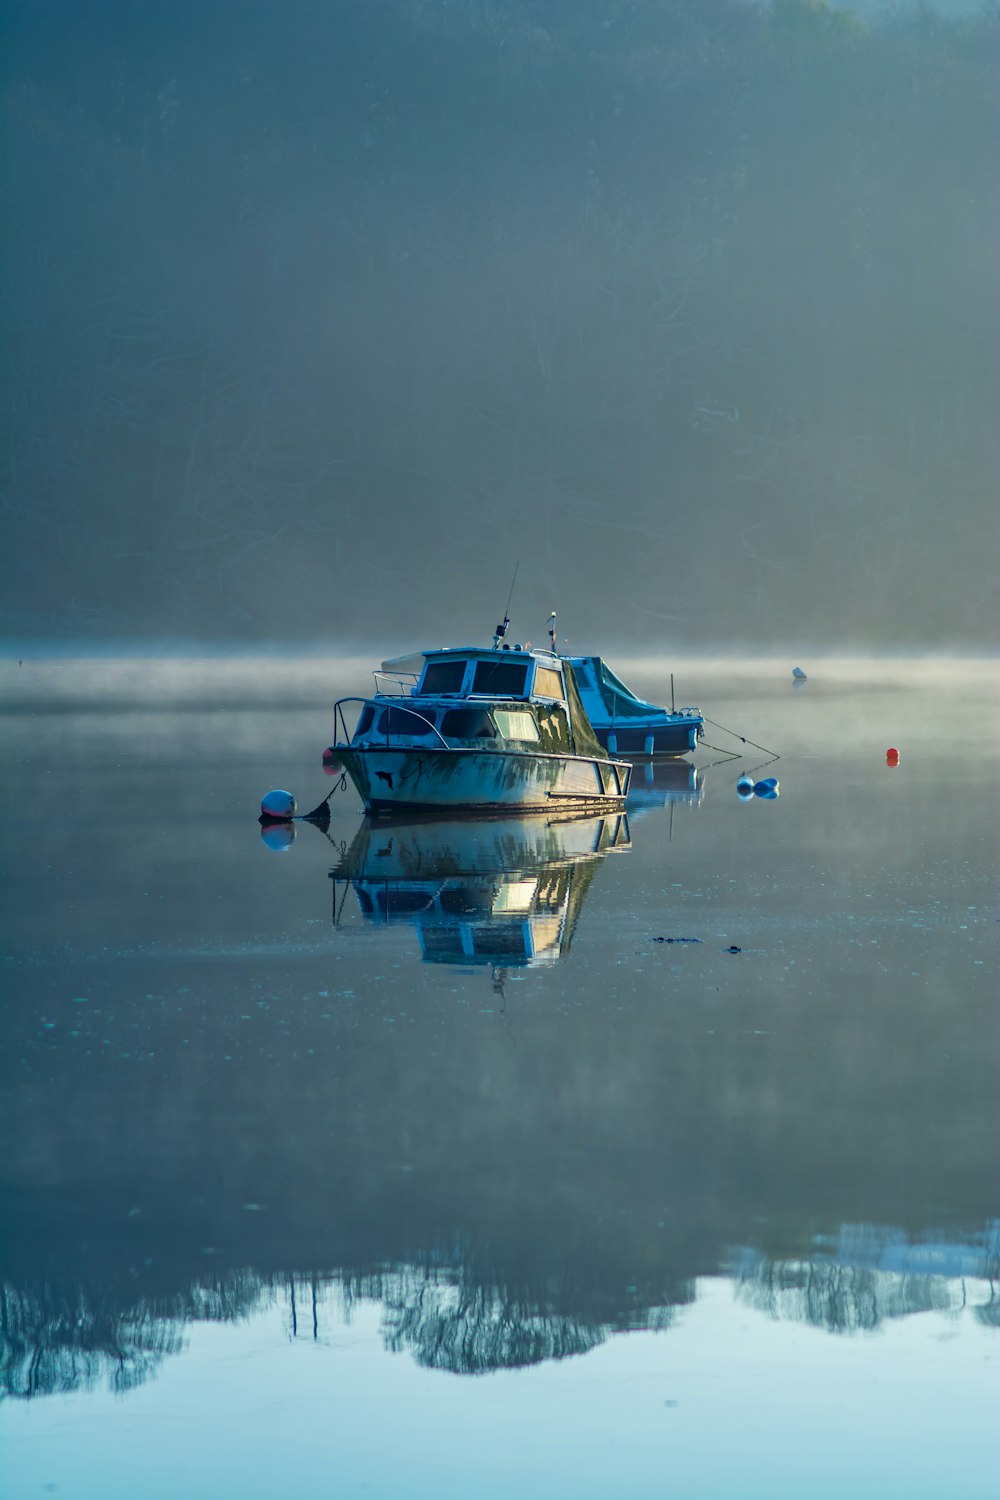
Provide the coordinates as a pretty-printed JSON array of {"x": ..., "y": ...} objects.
[
  {"x": 647, "y": 1119},
  {"x": 321, "y": 317}
]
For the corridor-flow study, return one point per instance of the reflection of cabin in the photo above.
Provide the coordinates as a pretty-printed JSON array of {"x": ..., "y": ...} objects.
[
  {"x": 665, "y": 783},
  {"x": 504, "y": 894},
  {"x": 502, "y": 919}
]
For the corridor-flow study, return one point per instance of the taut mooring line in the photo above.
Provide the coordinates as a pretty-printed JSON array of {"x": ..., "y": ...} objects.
[{"x": 742, "y": 738}]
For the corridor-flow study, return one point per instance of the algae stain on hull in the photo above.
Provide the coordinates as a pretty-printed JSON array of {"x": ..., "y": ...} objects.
[{"x": 464, "y": 779}]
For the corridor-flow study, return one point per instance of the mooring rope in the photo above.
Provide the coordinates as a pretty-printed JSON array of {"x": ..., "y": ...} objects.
[
  {"x": 741, "y": 737},
  {"x": 321, "y": 807}
]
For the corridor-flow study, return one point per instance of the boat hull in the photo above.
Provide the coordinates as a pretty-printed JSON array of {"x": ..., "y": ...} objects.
[
  {"x": 392, "y": 779},
  {"x": 646, "y": 740}
]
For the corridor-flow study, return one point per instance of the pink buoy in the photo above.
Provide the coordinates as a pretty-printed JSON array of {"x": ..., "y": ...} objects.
[{"x": 332, "y": 764}]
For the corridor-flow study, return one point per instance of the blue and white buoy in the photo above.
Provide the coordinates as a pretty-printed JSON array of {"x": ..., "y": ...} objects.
[{"x": 277, "y": 806}]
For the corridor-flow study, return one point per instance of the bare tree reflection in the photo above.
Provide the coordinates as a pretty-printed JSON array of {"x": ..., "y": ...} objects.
[
  {"x": 467, "y": 1321},
  {"x": 843, "y": 1294},
  {"x": 61, "y": 1338},
  {"x": 841, "y": 1299}
]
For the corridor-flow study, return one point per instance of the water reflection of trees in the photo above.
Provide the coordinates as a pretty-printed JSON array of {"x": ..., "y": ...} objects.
[
  {"x": 52, "y": 1344},
  {"x": 471, "y": 1329},
  {"x": 874, "y": 1277},
  {"x": 63, "y": 1338},
  {"x": 57, "y": 1340},
  {"x": 841, "y": 1299}
]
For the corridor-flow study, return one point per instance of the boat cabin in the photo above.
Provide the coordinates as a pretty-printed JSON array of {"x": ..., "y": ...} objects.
[
  {"x": 627, "y": 724},
  {"x": 490, "y": 674},
  {"x": 477, "y": 728},
  {"x": 477, "y": 696}
]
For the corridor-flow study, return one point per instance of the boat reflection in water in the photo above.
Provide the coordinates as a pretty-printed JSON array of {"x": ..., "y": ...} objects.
[
  {"x": 665, "y": 783},
  {"x": 498, "y": 893}
]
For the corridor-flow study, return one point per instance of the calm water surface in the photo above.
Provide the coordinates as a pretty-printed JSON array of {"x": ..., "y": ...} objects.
[{"x": 457, "y": 1159}]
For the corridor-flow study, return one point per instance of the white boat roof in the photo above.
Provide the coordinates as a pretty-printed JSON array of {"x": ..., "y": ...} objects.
[{"x": 414, "y": 662}]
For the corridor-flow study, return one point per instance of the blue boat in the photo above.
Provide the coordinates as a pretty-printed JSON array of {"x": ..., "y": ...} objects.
[
  {"x": 625, "y": 724},
  {"x": 477, "y": 730}
]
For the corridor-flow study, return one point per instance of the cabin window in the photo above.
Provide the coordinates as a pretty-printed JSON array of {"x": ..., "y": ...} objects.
[
  {"x": 401, "y": 721},
  {"x": 442, "y": 945},
  {"x": 499, "y": 678},
  {"x": 467, "y": 724},
  {"x": 515, "y": 724},
  {"x": 398, "y": 901},
  {"x": 500, "y": 941},
  {"x": 464, "y": 901},
  {"x": 548, "y": 683},
  {"x": 443, "y": 677},
  {"x": 515, "y": 896},
  {"x": 365, "y": 719}
]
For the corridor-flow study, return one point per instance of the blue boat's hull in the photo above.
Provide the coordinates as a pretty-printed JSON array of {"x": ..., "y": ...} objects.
[{"x": 641, "y": 740}]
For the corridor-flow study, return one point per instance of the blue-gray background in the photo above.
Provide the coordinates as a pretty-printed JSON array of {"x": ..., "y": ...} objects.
[{"x": 320, "y": 316}]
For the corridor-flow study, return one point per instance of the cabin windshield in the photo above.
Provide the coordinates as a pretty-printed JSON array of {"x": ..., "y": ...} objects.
[
  {"x": 401, "y": 721},
  {"x": 467, "y": 724},
  {"x": 443, "y": 677},
  {"x": 516, "y": 724},
  {"x": 548, "y": 683},
  {"x": 499, "y": 678}
]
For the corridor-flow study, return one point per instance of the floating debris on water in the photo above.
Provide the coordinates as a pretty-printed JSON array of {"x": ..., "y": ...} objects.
[
  {"x": 799, "y": 675},
  {"x": 675, "y": 940},
  {"x": 733, "y": 949}
]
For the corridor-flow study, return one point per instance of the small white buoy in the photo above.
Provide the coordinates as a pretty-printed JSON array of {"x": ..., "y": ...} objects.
[
  {"x": 798, "y": 674},
  {"x": 278, "y": 805},
  {"x": 278, "y": 837}
]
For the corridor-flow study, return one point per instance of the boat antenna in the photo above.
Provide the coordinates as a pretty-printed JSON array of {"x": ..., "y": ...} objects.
[
  {"x": 501, "y": 630},
  {"x": 552, "y": 631}
]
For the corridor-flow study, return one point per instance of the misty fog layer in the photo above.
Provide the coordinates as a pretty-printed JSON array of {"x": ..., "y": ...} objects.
[{"x": 320, "y": 316}]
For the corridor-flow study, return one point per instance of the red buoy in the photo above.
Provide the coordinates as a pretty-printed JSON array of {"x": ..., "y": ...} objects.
[{"x": 892, "y": 757}]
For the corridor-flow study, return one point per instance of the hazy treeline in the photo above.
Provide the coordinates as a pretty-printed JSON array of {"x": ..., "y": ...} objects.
[{"x": 321, "y": 315}]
